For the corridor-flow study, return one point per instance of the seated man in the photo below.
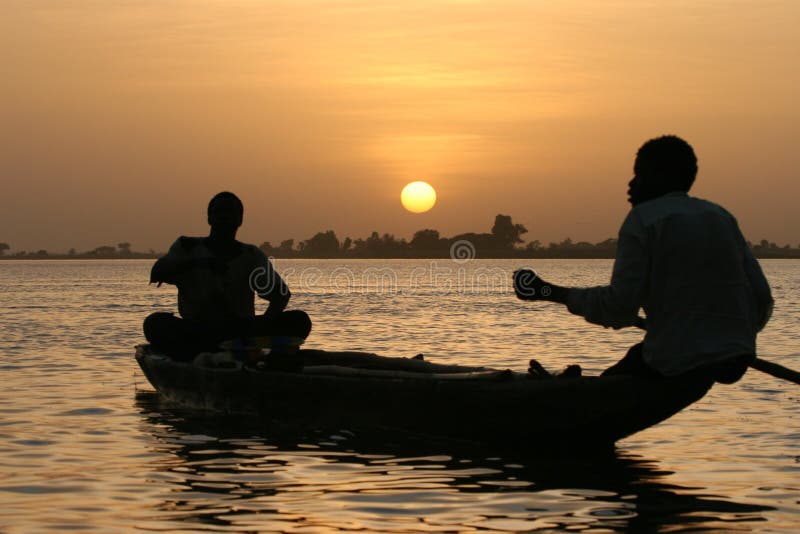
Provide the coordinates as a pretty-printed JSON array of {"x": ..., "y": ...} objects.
[
  {"x": 685, "y": 262},
  {"x": 217, "y": 277}
]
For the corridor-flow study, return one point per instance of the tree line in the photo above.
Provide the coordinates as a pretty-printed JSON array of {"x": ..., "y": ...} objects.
[
  {"x": 504, "y": 240},
  {"x": 122, "y": 250}
]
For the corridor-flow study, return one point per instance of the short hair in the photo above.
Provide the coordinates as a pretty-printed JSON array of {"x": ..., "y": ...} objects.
[
  {"x": 671, "y": 157},
  {"x": 226, "y": 196}
]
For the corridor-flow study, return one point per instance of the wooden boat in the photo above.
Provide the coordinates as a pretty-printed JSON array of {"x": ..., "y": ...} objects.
[{"x": 364, "y": 391}]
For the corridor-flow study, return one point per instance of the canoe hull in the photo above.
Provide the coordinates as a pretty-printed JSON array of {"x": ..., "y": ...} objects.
[{"x": 511, "y": 410}]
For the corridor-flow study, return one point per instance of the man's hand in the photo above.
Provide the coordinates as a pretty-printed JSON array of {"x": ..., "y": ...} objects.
[
  {"x": 528, "y": 286},
  {"x": 277, "y": 304}
]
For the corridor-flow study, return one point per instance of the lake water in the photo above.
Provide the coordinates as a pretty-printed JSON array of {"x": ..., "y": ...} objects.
[{"x": 86, "y": 445}]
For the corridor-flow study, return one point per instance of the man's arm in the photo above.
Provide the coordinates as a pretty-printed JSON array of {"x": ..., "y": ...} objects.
[
  {"x": 269, "y": 285},
  {"x": 615, "y": 305},
  {"x": 760, "y": 286},
  {"x": 169, "y": 268}
]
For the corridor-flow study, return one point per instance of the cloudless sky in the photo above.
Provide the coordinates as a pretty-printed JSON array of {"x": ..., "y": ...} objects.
[{"x": 119, "y": 120}]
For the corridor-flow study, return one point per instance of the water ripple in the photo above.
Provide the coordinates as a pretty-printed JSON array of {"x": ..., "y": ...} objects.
[{"x": 86, "y": 445}]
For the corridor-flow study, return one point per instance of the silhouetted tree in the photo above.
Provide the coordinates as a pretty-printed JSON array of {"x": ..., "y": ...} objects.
[
  {"x": 104, "y": 250},
  {"x": 41, "y": 252},
  {"x": 426, "y": 240},
  {"x": 3, "y": 248},
  {"x": 507, "y": 234},
  {"x": 610, "y": 242},
  {"x": 377, "y": 246},
  {"x": 607, "y": 247},
  {"x": 322, "y": 244},
  {"x": 347, "y": 244},
  {"x": 266, "y": 248},
  {"x": 389, "y": 243},
  {"x": 286, "y": 248},
  {"x": 124, "y": 248},
  {"x": 369, "y": 247},
  {"x": 483, "y": 243}
]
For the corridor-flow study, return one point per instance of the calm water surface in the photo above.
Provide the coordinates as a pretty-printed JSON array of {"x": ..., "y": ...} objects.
[{"x": 86, "y": 445}]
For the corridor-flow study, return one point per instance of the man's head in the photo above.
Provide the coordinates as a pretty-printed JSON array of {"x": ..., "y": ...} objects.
[
  {"x": 663, "y": 165},
  {"x": 225, "y": 212}
]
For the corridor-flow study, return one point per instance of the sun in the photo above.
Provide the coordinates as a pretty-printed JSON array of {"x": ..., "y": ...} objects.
[{"x": 418, "y": 197}]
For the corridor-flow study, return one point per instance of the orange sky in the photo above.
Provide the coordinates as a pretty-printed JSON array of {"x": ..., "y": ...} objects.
[{"x": 120, "y": 119}]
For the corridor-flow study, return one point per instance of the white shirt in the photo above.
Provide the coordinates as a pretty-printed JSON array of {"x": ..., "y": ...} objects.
[{"x": 685, "y": 262}]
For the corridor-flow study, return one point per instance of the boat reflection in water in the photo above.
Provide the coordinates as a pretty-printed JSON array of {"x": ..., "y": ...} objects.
[{"x": 239, "y": 474}]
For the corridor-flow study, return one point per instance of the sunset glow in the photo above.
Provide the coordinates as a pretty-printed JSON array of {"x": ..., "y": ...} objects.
[
  {"x": 535, "y": 109},
  {"x": 399, "y": 266}
]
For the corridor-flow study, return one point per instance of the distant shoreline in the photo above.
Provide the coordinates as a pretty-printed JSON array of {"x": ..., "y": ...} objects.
[
  {"x": 791, "y": 254},
  {"x": 504, "y": 241}
]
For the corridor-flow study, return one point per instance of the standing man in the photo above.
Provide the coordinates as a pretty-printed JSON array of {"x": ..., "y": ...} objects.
[
  {"x": 217, "y": 279},
  {"x": 685, "y": 262}
]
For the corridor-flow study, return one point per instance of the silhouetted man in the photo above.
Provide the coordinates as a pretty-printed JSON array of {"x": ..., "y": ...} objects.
[
  {"x": 685, "y": 262},
  {"x": 217, "y": 278}
]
